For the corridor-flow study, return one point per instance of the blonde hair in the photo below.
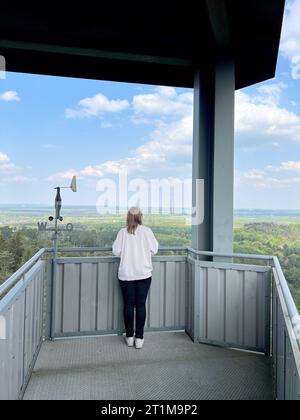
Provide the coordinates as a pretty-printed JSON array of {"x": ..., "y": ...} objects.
[{"x": 134, "y": 219}]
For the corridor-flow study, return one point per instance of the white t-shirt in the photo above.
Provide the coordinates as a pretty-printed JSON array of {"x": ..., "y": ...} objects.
[{"x": 136, "y": 253}]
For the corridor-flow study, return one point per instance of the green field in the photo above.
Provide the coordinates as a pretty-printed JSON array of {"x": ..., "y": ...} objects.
[{"x": 275, "y": 234}]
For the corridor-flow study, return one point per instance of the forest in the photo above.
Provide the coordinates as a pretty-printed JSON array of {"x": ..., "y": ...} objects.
[{"x": 18, "y": 242}]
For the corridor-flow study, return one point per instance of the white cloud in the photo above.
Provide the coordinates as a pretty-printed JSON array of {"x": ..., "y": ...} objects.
[
  {"x": 270, "y": 94},
  {"x": 262, "y": 116},
  {"x": 283, "y": 176},
  {"x": 164, "y": 101},
  {"x": 254, "y": 174},
  {"x": 96, "y": 107},
  {"x": 296, "y": 67},
  {"x": 259, "y": 117},
  {"x": 6, "y": 166},
  {"x": 105, "y": 124},
  {"x": 4, "y": 158},
  {"x": 9, "y": 96},
  {"x": 168, "y": 142},
  {"x": 63, "y": 176},
  {"x": 171, "y": 138},
  {"x": 290, "y": 41},
  {"x": 16, "y": 179},
  {"x": 289, "y": 166},
  {"x": 11, "y": 173}
]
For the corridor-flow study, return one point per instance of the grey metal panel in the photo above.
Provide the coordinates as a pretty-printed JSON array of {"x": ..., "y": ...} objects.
[
  {"x": 234, "y": 316},
  {"x": 170, "y": 294},
  {"x": 155, "y": 315},
  {"x": 103, "y": 296},
  {"x": 14, "y": 371},
  {"x": 7, "y": 390},
  {"x": 48, "y": 297},
  {"x": 281, "y": 358},
  {"x": 166, "y": 301},
  {"x": 250, "y": 308},
  {"x": 58, "y": 298},
  {"x": 117, "y": 298},
  {"x": 215, "y": 304},
  {"x": 93, "y": 282},
  {"x": 34, "y": 303},
  {"x": 233, "y": 305},
  {"x": 290, "y": 373},
  {"x": 286, "y": 353},
  {"x": 22, "y": 310},
  {"x": 203, "y": 301},
  {"x": 88, "y": 297},
  {"x": 4, "y": 363},
  {"x": 190, "y": 298},
  {"x": 28, "y": 327},
  {"x": 274, "y": 323},
  {"x": 180, "y": 293},
  {"x": 262, "y": 305},
  {"x": 34, "y": 298},
  {"x": 267, "y": 277},
  {"x": 113, "y": 297},
  {"x": 70, "y": 298}
]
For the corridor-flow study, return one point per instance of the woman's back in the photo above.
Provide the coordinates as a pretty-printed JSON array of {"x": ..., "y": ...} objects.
[
  {"x": 135, "y": 245},
  {"x": 135, "y": 250}
]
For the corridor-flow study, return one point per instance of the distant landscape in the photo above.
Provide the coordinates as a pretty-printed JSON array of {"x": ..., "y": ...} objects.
[{"x": 255, "y": 232}]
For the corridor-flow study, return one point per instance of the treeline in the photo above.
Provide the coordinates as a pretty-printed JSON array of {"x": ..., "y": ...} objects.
[
  {"x": 18, "y": 245},
  {"x": 283, "y": 240},
  {"x": 11, "y": 252}
]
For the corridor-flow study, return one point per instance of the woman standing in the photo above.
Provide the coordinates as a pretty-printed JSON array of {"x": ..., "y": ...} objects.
[{"x": 135, "y": 245}]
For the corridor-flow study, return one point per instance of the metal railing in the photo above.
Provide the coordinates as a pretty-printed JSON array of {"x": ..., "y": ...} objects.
[
  {"x": 289, "y": 301},
  {"x": 288, "y": 355},
  {"x": 21, "y": 332}
]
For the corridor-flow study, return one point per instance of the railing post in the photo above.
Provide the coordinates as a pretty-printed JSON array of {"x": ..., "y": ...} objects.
[
  {"x": 120, "y": 313},
  {"x": 48, "y": 297},
  {"x": 196, "y": 299},
  {"x": 268, "y": 306}
]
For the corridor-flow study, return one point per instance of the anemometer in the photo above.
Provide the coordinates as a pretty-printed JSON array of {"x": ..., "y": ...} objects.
[{"x": 43, "y": 227}]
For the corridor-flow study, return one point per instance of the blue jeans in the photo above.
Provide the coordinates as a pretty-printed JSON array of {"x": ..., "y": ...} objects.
[{"x": 135, "y": 295}]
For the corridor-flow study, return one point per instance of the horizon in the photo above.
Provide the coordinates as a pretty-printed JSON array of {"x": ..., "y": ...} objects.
[{"x": 70, "y": 206}]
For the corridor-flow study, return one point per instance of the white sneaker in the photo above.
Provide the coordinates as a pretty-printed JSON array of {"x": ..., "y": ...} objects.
[
  {"x": 129, "y": 341},
  {"x": 139, "y": 343}
]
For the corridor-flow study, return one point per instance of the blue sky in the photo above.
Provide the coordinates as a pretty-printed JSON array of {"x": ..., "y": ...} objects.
[{"x": 52, "y": 128}]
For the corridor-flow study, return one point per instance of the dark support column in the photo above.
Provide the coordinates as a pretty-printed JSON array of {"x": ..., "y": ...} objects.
[
  {"x": 223, "y": 185},
  {"x": 202, "y": 155},
  {"x": 213, "y": 156}
]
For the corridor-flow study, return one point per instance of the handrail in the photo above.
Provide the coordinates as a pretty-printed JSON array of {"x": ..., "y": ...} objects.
[
  {"x": 107, "y": 249},
  {"x": 224, "y": 255},
  {"x": 10, "y": 282},
  {"x": 289, "y": 301},
  {"x": 164, "y": 249}
]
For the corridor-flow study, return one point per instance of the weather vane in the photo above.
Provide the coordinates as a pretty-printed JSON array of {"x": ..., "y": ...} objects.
[{"x": 43, "y": 227}]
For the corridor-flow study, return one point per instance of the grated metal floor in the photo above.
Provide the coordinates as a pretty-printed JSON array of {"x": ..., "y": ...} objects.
[{"x": 169, "y": 367}]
